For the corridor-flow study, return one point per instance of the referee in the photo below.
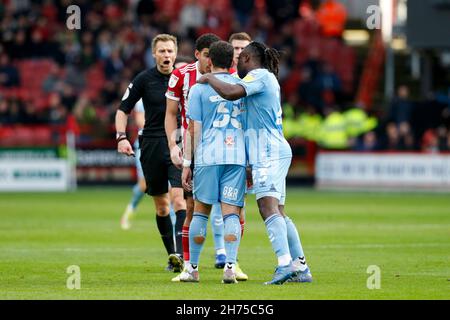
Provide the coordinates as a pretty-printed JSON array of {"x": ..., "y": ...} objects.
[{"x": 151, "y": 86}]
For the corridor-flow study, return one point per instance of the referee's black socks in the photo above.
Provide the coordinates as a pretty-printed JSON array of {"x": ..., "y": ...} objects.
[
  {"x": 181, "y": 216},
  {"x": 165, "y": 228}
]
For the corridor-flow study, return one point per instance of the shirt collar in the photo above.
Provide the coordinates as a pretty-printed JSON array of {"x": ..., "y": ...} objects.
[{"x": 198, "y": 75}]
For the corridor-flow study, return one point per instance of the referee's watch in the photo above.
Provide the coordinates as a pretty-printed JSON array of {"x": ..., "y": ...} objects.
[{"x": 121, "y": 136}]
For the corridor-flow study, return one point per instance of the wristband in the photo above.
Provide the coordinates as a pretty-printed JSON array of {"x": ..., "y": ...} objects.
[
  {"x": 186, "y": 163},
  {"x": 119, "y": 135},
  {"x": 121, "y": 138}
]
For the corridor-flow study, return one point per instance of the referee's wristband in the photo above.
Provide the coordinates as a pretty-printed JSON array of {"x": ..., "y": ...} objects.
[
  {"x": 187, "y": 163},
  {"x": 122, "y": 138}
]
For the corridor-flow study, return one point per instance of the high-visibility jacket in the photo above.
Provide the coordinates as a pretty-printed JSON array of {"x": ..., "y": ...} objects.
[
  {"x": 333, "y": 133},
  {"x": 357, "y": 122},
  {"x": 308, "y": 126},
  {"x": 288, "y": 121}
]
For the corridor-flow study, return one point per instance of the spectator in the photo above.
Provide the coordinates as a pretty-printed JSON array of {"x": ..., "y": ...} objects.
[
  {"x": 329, "y": 84},
  {"x": 192, "y": 17},
  {"x": 367, "y": 142},
  {"x": 39, "y": 48},
  {"x": 19, "y": 48},
  {"x": 145, "y": 10},
  {"x": 9, "y": 75},
  {"x": 332, "y": 17},
  {"x": 443, "y": 136},
  {"x": 53, "y": 82},
  {"x": 16, "y": 114},
  {"x": 109, "y": 93},
  {"x": 68, "y": 96},
  {"x": 243, "y": 11},
  {"x": 401, "y": 107},
  {"x": 57, "y": 112},
  {"x": 113, "y": 65},
  {"x": 4, "y": 111},
  {"x": 399, "y": 138},
  {"x": 31, "y": 115},
  {"x": 399, "y": 118},
  {"x": 430, "y": 141},
  {"x": 74, "y": 77},
  {"x": 87, "y": 58},
  {"x": 105, "y": 45},
  {"x": 282, "y": 11},
  {"x": 310, "y": 89}
]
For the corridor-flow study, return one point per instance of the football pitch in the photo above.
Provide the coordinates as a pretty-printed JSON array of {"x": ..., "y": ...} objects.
[{"x": 405, "y": 235}]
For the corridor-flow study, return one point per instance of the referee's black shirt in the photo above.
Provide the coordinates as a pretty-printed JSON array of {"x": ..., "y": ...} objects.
[{"x": 151, "y": 86}]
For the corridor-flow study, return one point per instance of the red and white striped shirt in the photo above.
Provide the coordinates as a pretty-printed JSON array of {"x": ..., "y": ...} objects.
[{"x": 180, "y": 82}]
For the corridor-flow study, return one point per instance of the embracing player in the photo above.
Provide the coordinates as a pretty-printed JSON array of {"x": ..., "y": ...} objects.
[
  {"x": 268, "y": 152},
  {"x": 216, "y": 138},
  {"x": 177, "y": 94}
]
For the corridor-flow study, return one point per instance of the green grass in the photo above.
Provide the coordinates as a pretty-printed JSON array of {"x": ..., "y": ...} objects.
[{"x": 406, "y": 235}]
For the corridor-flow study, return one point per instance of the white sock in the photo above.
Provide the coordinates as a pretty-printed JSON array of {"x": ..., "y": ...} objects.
[{"x": 284, "y": 260}]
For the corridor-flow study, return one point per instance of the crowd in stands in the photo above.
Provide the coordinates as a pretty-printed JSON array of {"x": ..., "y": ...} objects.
[{"x": 49, "y": 73}]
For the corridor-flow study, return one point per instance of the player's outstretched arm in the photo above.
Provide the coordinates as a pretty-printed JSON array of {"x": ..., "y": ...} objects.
[{"x": 225, "y": 90}]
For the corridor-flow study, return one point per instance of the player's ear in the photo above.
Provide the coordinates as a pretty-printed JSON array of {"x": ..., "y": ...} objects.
[
  {"x": 246, "y": 57},
  {"x": 197, "y": 54}
]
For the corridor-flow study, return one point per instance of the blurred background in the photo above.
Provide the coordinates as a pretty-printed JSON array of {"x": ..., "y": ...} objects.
[{"x": 365, "y": 86}]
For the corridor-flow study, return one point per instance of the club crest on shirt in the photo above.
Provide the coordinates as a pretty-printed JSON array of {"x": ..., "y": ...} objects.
[
  {"x": 173, "y": 81},
  {"x": 229, "y": 141}
]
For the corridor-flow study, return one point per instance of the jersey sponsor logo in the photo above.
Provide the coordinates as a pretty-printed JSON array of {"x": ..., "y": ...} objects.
[
  {"x": 216, "y": 99},
  {"x": 230, "y": 193},
  {"x": 173, "y": 81}
]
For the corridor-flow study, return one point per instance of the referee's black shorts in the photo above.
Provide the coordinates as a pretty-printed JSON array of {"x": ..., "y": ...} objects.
[{"x": 157, "y": 167}]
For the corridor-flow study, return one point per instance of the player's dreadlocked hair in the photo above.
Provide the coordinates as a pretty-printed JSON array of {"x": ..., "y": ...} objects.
[{"x": 269, "y": 57}]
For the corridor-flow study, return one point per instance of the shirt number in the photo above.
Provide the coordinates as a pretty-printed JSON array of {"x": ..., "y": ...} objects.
[{"x": 226, "y": 119}]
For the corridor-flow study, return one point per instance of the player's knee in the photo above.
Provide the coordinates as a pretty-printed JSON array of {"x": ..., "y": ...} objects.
[
  {"x": 266, "y": 210},
  {"x": 230, "y": 237},
  {"x": 199, "y": 239},
  {"x": 179, "y": 203},
  {"x": 162, "y": 211}
]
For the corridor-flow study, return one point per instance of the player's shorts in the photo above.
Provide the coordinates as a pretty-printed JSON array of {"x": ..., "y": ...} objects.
[
  {"x": 220, "y": 183},
  {"x": 269, "y": 179},
  {"x": 157, "y": 166},
  {"x": 137, "y": 154}
]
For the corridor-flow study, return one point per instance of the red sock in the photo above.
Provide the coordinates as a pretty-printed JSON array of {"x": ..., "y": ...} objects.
[
  {"x": 185, "y": 240},
  {"x": 242, "y": 222}
]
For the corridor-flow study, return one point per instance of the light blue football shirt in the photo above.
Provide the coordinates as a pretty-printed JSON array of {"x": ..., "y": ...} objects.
[
  {"x": 222, "y": 136},
  {"x": 139, "y": 107},
  {"x": 261, "y": 115}
]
